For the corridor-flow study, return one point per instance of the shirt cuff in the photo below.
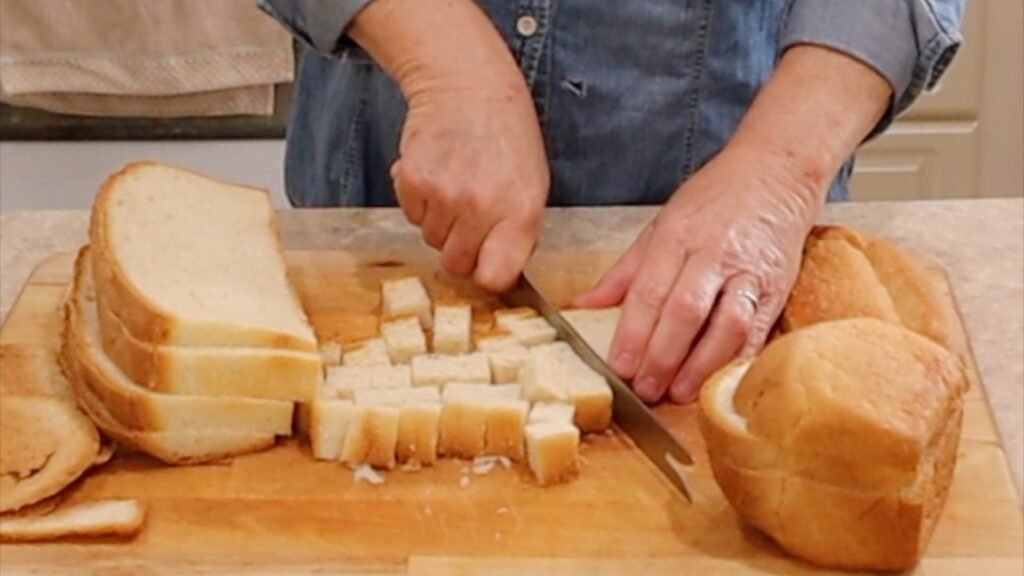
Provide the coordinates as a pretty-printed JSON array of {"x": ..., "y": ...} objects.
[
  {"x": 321, "y": 24},
  {"x": 904, "y": 40}
]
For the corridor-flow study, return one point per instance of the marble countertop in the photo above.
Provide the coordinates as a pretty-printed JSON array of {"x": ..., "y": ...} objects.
[{"x": 979, "y": 242}]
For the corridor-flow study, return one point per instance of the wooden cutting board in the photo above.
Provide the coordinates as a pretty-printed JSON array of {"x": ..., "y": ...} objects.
[{"x": 281, "y": 512}]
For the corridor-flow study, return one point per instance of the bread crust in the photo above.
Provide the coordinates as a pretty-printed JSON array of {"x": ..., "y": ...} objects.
[
  {"x": 140, "y": 409},
  {"x": 848, "y": 274},
  {"x": 835, "y": 481},
  {"x": 123, "y": 518},
  {"x": 249, "y": 372},
  {"x": 147, "y": 321}
]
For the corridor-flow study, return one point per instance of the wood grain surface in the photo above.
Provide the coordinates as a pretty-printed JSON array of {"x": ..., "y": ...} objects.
[{"x": 281, "y": 512}]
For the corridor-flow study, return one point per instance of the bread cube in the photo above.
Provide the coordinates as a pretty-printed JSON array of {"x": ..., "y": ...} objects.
[
  {"x": 328, "y": 424},
  {"x": 504, "y": 432},
  {"x": 330, "y": 353},
  {"x": 545, "y": 377},
  {"x": 551, "y": 412},
  {"x": 437, "y": 370},
  {"x": 532, "y": 331},
  {"x": 418, "y": 421},
  {"x": 404, "y": 339},
  {"x": 404, "y": 297},
  {"x": 453, "y": 329},
  {"x": 372, "y": 352},
  {"x": 503, "y": 319},
  {"x": 343, "y": 381},
  {"x": 592, "y": 398},
  {"x": 372, "y": 435},
  {"x": 463, "y": 420},
  {"x": 497, "y": 342},
  {"x": 505, "y": 392},
  {"x": 379, "y": 396},
  {"x": 552, "y": 450},
  {"x": 506, "y": 363}
]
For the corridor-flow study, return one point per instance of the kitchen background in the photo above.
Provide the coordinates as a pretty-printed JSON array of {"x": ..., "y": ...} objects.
[{"x": 79, "y": 102}]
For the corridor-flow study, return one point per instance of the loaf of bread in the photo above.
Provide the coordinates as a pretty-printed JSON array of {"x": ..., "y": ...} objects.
[
  {"x": 839, "y": 440},
  {"x": 187, "y": 260},
  {"x": 850, "y": 274}
]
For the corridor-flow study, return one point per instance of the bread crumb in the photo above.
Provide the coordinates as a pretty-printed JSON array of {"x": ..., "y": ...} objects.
[
  {"x": 428, "y": 511},
  {"x": 502, "y": 510},
  {"x": 365, "y": 472},
  {"x": 464, "y": 482},
  {"x": 484, "y": 464},
  {"x": 506, "y": 462},
  {"x": 412, "y": 466}
]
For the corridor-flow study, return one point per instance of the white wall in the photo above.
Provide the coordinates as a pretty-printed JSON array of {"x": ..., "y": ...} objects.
[{"x": 66, "y": 175}]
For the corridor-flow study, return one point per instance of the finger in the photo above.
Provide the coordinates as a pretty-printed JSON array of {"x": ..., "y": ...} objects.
[
  {"x": 437, "y": 223},
  {"x": 642, "y": 305},
  {"x": 683, "y": 315},
  {"x": 769, "y": 308},
  {"x": 727, "y": 332},
  {"x": 459, "y": 255},
  {"x": 412, "y": 203},
  {"x": 504, "y": 254},
  {"x": 616, "y": 281}
]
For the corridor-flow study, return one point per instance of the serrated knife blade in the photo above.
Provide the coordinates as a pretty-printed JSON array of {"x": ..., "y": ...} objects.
[{"x": 631, "y": 414}]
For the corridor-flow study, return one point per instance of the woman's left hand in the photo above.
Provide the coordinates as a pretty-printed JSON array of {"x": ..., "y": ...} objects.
[{"x": 707, "y": 278}]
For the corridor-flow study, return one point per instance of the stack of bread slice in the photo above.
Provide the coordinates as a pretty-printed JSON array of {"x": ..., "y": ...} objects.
[
  {"x": 430, "y": 388},
  {"x": 183, "y": 336}
]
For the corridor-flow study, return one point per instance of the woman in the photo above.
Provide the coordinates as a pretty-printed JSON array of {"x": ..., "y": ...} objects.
[{"x": 740, "y": 118}]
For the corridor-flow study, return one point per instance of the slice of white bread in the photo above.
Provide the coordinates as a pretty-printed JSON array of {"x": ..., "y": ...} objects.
[
  {"x": 185, "y": 259},
  {"x": 552, "y": 449},
  {"x": 404, "y": 297},
  {"x": 140, "y": 409},
  {"x": 404, "y": 339},
  {"x": 175, "y": 447},
  {"x": 839, "y": 441},
  {"x": 437, "y": 370},
  {"x": 47, "y": 444},
  {"x": 453, "y": 329},
  {"x": 211, "y": 371},
  {"x": 372, "y": 352},
  {"x": 121, "y": 518}
]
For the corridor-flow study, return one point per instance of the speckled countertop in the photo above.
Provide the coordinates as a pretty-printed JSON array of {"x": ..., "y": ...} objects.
[{"x": 980, "y": 243}]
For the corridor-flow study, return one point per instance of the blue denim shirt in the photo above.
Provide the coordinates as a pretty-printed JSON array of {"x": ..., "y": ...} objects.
[{"x": 633, "y": 97}]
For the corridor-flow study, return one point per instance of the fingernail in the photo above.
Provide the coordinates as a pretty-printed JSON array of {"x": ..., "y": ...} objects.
[
  {"x": 625, "y": 362},
  {"x": 646, "y": 387}
]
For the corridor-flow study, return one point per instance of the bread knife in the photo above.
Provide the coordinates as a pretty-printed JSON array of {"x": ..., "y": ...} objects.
[{"x": 628, "y": 411}]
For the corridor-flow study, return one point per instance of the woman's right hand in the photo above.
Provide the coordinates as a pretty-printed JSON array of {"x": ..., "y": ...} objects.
[{"x": 472, "y": 172}]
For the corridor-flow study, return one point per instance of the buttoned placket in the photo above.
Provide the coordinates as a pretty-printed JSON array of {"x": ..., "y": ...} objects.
[{"x": 532, "y": 28}]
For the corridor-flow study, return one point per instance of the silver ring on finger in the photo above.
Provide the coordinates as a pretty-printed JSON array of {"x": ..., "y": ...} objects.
[{"x": 750, "y": 296}]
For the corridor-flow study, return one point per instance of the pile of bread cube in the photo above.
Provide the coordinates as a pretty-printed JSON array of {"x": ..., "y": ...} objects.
[{"x": 428, "y": 388}]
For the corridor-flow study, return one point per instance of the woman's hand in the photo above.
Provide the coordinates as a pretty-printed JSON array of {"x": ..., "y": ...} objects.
[
  {"x": 472, "y": 174},
  {"x": 706, "y": 280}
]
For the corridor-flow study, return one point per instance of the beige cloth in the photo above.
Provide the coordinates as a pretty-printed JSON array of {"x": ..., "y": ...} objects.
[{"x": 142, "y": 57}]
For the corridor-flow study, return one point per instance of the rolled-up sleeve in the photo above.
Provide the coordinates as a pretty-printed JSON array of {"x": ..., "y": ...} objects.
[
  {"x": 321, "y": 24},
  {"x": 910, "y": 42}
]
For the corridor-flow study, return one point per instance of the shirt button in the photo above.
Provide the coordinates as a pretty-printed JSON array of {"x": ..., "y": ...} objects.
[{"x": 526, "y": 26}]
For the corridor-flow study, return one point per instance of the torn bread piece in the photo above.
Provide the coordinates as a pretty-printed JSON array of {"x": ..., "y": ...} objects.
[
  {"x": 437, "y": 370},
  {"x": 463, "y": 420},
  {"x": 551, "y": 412},
  {"x": 418, "y": 420},
  {"x": 453, "y": 328},
  {"x": 404, "y": 297},
  {"x": 404, "y": 339},
  {"x": 331, "y": 352},
  {"x": 373, "y": 430},
  {"x": 506, "y": 363},
  {"x": 89, "y": 519},
  {"x": 328, "y": 424},
  {"x": 372, "y": 352},
  {"x": 553, "y": 451}
]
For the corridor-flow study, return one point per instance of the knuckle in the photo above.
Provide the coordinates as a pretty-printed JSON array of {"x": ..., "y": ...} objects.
[
  {"x": 651, "y": 294},
  {"x": 685, "y": 308}
]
